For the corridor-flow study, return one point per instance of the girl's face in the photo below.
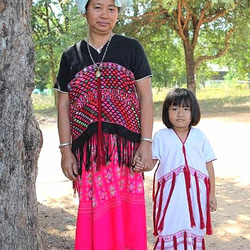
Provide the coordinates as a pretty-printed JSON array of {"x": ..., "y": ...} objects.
[
  {"x": 101, "y": 16},
  {"x": 179, "y": 116}
]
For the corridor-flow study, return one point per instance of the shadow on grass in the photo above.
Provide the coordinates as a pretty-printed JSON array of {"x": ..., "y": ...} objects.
[{"x": 215, "y": 107}]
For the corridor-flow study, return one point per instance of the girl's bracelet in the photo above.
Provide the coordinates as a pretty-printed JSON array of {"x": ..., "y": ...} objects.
[
  {"x": 64, "y": 144},
  {"x": 146, "y": 139}
]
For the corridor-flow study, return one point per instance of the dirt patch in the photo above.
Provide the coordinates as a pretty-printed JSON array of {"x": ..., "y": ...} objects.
[{"x": 230, "y": 136}]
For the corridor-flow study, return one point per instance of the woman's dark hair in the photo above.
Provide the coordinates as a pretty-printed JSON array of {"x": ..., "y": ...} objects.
[
  {"x": 184, "y": 98},
  {"x": 86, "y": 6}
]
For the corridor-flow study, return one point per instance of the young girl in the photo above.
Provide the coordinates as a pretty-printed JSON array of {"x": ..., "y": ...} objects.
[{"x": 185, "y": 176}]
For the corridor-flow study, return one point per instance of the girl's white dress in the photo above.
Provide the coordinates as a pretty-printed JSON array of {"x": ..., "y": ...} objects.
[{"x": 181, "y": 211}]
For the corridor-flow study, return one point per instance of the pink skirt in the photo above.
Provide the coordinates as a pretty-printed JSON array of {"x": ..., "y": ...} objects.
[{"x": 111, "y": 213}]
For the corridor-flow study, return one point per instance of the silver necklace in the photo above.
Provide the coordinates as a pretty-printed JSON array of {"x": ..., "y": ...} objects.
[{"x": 99, "y": 65}]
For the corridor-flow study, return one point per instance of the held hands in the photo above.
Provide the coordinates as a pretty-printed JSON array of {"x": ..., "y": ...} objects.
[
  {"x": 143, "y": 158},
  {"x": 68, "y": 163}
]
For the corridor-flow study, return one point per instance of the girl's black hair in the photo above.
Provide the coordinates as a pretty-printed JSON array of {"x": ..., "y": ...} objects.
[{"x": 184, "y": 98}]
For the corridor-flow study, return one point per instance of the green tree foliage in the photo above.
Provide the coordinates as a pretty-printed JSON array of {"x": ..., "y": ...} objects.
[
  {"x": 204, "y": 28},
  {"x": 179, "y": 37},
  {"x": 56, "y": 25}
]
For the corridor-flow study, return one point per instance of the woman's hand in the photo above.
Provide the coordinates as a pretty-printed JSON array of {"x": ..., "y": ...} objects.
[
  {"x": 68, "y": 163},
  {"x": 143, "y": 157}
]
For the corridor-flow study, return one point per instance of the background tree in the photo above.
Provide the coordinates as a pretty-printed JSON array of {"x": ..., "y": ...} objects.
[
  {"x": 56, "y": 24},
  {"x": 20, "y": 137},
  {"x": 204, "y": 27}
]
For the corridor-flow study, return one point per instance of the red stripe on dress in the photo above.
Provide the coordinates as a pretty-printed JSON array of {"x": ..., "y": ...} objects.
[
  {"x": 203, "y": 244},
  {"x": 154, "y": 211},
  {"x": 160, "y": 228},
  {"x": 188, "y": 185},
  {"x": 185, "y": 240},
  {"x": 209, "y": 230},
  {"x": 188, "y": 181},
  {"x": 156, "y": 243},
  {"x": 162, "y": 244},
  {"x": 100, "y": 149},
  {"x": 202, "y": 225},
  {"x": 160, "y": 201},
  {"x": 175, "y": 242},
  {"x": 191, "y": 215},
  {"x": 195, "y": 243}
]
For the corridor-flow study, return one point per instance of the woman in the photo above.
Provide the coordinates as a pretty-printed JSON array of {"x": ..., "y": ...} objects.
[{"x": 105, "y": 116}]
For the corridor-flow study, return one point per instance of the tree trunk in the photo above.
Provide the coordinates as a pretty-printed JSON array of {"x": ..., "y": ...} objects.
[
  {"x": 190, "y": 66},
  {"x": 20, "y": 136}
]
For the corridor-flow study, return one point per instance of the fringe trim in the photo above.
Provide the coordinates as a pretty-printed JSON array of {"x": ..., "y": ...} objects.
[
  {"x": 188, "y": 186},
  {"x": 156, "y": 243},
  {"x": 191, "y": 214},
  {"x": 175, "y": 242},
  {"x": 154, "y": 211},
  {"x": 162, "y": 244},
  {"x": 209, "y": 230},
  {"x": 202, "y": 225},
  {"x": 180, "y": 238},
  {"x": 185, "y": 240},
  {"x": 195, "y": 243},
  {"x": 160, "y": 228},
  {"x": 203, "y": 244},
  {"x": 98, "y": 152},
  {"x": 160, "y": 203}
]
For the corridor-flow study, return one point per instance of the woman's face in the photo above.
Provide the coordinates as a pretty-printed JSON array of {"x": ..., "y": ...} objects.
[{"x": 101, "y": 15}]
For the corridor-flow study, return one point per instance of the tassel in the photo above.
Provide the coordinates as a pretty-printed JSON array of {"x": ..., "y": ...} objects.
[
  {"x": 203, "y": 244},
  {"x": 156, "y": 243},
  {"x": 202, "y": 225},
  {"x": 175, "y": 242},
  {"x": 162, "y": 244},
  {"x": 160, "y": 228},
  {"x": 209, "y": 230},
  {"x": 154, "y": 211},
  {"x": 188, "y": 180},
  {"x": 100, "y": 149},
  {"x": 191, "y": 215},
  {"x": 160, "y": 201},
  {"x": 153, "y": 193},
  {"x": 185, "y": 240},
  {"x": 195, "y": 243}
]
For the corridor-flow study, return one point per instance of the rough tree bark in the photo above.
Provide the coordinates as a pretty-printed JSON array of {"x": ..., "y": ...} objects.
[{"x": 20, "y": 136}]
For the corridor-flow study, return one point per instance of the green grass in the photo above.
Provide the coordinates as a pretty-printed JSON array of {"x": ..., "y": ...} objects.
[
  {"x": 44, "y": 105},
  {"x": 213, "y": 101}
]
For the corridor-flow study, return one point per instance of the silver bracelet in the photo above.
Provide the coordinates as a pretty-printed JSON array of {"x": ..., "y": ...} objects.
[
  {"x": 64, "y": 144},
  {"x": 146, "y": 139}
]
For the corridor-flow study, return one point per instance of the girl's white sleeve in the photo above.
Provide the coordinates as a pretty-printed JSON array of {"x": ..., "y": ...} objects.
[
  {"x": 208, "y": 150},
  {"x": 157, "y": 146}
]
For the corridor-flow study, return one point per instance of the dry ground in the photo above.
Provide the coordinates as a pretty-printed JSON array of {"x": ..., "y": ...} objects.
[{"x": 230, "y": 137}]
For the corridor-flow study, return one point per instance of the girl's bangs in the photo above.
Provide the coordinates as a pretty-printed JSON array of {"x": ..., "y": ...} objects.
[{"x": 182, "y": 101}]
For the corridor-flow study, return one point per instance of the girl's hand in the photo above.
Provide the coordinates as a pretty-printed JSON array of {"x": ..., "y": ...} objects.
[
  {"x": 138, "y": 166},
  {"x": 212, "y": 203},
  {"x": 68, "y": 163}
]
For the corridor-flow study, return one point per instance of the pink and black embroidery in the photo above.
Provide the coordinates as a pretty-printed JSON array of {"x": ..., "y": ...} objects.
[{"x": 104, "y": 105}]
